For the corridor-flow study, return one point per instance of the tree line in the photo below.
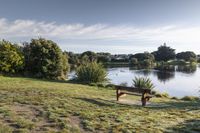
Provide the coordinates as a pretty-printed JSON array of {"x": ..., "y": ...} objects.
[
  {"x": 164, "y": 53},
  {"x": 42, "y": 58}
]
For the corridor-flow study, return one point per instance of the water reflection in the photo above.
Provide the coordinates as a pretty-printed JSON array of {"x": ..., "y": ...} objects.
[
  {"x": 164, "y": 76},
  {"x": 189, "y": 69},
  {"x": 175, "y": 80}
]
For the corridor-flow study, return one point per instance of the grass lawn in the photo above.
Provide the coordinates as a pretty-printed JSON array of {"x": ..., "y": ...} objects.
[{"x": 31, "y": 105}]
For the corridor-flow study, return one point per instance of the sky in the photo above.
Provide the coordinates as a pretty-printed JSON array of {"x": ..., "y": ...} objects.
[{"x": 115, "y": 26}]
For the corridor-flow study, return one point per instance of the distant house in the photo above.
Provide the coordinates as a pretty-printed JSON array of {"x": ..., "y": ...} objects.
[{"x": 120, "y": 57}]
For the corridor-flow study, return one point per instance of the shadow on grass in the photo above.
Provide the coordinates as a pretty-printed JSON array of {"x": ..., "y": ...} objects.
[
  {"x": 188, "y": 126},
  {"x": 106, "y": 103},
  {"x": 189, "y": 105}
]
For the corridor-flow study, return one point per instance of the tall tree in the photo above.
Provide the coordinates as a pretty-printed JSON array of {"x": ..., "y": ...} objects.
[
  {"x": 11, "y": 58},
  {"x": 44, "y": 59},
  {"x": 164, "y": 53}
]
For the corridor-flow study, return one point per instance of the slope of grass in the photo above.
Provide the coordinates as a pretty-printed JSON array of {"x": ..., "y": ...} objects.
[{"x": 30, "y": 105}]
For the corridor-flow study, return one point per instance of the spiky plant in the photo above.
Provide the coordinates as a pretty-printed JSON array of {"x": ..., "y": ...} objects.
[{"x": 143, "y": 83}]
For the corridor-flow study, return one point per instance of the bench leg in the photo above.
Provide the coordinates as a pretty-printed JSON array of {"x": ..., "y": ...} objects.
[
  {"x": 117, "y": 94},
  {"x": 144, "y": 100}
]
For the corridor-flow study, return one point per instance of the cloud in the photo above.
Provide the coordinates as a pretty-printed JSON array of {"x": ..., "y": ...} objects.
[{"x": 99, "y": 32}]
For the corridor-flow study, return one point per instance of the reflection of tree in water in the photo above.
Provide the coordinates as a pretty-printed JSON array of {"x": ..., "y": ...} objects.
[
  {"x": 144, "y": 72},
  {"x": 165, "y": 73},
  {"x": 189, "y": 69},
  {"x": 164, "y": 76},
  {"x": 167, "y": 68}
]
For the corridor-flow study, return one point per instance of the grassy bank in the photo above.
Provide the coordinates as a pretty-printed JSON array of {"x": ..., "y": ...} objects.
[{"x": 30, "y": 105}]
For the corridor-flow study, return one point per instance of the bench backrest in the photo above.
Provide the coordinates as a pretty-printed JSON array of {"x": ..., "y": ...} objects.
[{"x": 133, "y": 89}]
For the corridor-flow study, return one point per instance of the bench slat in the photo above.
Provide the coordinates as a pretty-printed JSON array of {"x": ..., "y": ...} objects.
[{"x": 133, "y": 89}]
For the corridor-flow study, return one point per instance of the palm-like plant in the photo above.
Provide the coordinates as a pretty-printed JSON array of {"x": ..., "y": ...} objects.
[{"x": 143, "y": 83}]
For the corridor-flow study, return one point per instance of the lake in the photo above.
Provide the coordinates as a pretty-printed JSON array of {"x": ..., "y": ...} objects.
[{"x": 177, "y": 81}]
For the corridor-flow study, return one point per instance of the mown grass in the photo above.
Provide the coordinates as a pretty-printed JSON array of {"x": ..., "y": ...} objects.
[{"x": 31, "y": 105}]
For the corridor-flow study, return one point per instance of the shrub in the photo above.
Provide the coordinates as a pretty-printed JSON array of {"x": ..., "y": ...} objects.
[
  {"x": 190, "y": 98},
  {"x": 143, "y": 83},
  {"x": 164, "y": 95},
  {"x": 175, "y": 98},
  {"x": 134, "y": 61},
  {"x": 91, "y": 73},
  {"x": 11, "y": 59},
  {"x": 44, "y": 59}
]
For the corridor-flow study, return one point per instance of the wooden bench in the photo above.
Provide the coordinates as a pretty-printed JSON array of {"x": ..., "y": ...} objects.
[{"x": 144, "y": 93}]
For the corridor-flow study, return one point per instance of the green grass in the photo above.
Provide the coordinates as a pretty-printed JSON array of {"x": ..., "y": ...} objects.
[{"x": 31, "y": 105}]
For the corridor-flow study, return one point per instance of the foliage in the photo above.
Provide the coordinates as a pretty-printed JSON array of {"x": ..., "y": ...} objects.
[
  {"x": 190, "y": 98},
  {"x": 143, "y": 59},
  {"x": 91, "y": 73},
  {"x": 91, "y": 56},
  {"x": 143, "y": 83},
  {"x": 143, "y": 56},
  {"x": 73, "y": 58},
  {"x": 103, "y": 57},
  {"x": 11, "y": 58},
  {"x": 164, "y": 53},
  {"x": 187, "y": 56},
  {"x": 146, "y": 62},
  {"x": 134, "y": 61},
  {"x": 44, "y": 59}
]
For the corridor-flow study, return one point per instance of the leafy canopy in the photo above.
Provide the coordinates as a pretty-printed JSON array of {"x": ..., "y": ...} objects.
[
  {"x": 11, "y": 58},
  {"x": 44, "y": 59}
]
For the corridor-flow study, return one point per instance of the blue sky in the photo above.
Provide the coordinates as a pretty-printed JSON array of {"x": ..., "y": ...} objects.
[{"x": 116, "y": 26}]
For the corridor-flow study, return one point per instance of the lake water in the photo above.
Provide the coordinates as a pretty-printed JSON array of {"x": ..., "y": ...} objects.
[{"x": 177, "y": 81}]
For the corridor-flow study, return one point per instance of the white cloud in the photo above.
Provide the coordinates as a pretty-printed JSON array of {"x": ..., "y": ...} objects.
[{"x": 31, "y": 29}]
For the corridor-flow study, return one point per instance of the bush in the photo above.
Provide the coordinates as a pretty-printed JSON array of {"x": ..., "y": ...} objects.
[
  {"x": 44, "y": 59},
  {"x": 164, "y": 95},
  {"x": 190, "y": 98},
  {"x": 143, "y": 83},
  {"x": 134, "y": 61},
  {"x": 91, "y": 73},
  {"x": 11, "y": 58}
]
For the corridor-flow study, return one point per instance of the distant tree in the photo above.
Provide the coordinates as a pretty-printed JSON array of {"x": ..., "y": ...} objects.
[
  {"x": 92, "y": 56},
  {"x": 44, "y": 59},
  {"x": 73, "y": 58},
  {"x": 103, "y": 57},
  {"x": 11, "y": 58},
  {"x": 143, "y": 56},
  {"x": 133, "y": 61},
  {"x": 144, "y": 59},
  {"x": 187, "y": 56},
  {"x": 164, "y": 53}
]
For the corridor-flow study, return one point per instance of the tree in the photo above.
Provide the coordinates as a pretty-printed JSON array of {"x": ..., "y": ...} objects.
[
  {"x": 187, "y": 56},
  {"x": 164, "y": 53},
  {"x": 143, "y": 56},
  {"x": 103, "y": 57},
  {"x": 91, "y": 55},
  {"x": 144, "y": 59},
  {"x": 44, "y": 59},
  {"x": 73, "y": 58},
  {"x": 133, "y": 61},
  {"x": 11, "y": 58}
]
